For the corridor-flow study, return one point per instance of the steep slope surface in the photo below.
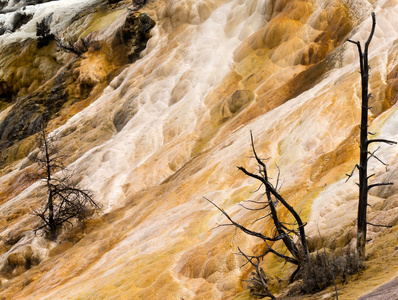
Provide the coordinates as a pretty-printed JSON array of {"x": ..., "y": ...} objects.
[{"x": 151, "y": 137}]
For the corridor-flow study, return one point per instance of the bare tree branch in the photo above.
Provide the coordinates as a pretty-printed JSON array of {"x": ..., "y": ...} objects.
[
  {"x": 377, "y": 225},
  {"x": 379, "y": 184},
  {"x": 259, "y": 277},
  {"x": 352, "y": 172},
  {"x": 244, "y": 229},
  {"x": 381, "y": 141}
]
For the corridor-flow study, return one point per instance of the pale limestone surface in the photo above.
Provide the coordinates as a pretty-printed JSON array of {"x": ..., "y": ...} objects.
[{"x": 171, "y": 128}]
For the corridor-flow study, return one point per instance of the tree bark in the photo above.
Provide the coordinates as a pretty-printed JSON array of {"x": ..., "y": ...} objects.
[
  {"x": 51, "y": 222},
  {"x": 364, "y": 143},
  {"x": 363, "y": 160}
]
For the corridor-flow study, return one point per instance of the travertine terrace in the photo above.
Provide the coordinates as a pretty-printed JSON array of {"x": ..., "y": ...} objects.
[{"x": 152, "y": 132}]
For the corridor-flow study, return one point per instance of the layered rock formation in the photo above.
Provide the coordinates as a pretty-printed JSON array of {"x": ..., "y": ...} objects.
[{"x": 157, "y": 114}]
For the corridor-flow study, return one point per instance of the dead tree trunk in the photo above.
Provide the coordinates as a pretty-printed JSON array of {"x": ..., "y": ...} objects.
[
  {"x": 363, "y": 157},
  {"x": 364, "y": 143},
  {"x": 48, "y": 171}
]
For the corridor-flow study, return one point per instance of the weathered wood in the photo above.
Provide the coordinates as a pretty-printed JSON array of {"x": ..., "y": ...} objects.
[
  {"x": 363, "y": 156},
  {"x": 299, "y": 255},
  {"x": 364, "y": 143}
]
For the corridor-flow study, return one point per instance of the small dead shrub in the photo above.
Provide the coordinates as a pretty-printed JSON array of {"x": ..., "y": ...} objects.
[
  {"x": 322, "y": 270},
  {"x": 258, "y": 284},
  {"x": 43, "y": 31}
]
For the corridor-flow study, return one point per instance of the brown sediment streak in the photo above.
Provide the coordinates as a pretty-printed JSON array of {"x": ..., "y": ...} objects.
[{"x": 153, "y": 133}]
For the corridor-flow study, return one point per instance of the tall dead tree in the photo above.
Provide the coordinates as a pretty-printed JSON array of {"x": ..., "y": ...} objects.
[
  {"x": 364, "y": 144},
  {"x": 293, "y": 239},
  {"x": 65, "y": 201}
]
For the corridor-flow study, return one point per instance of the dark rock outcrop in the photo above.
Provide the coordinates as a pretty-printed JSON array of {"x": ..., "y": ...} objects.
[{"x": 134, "y": 34}]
